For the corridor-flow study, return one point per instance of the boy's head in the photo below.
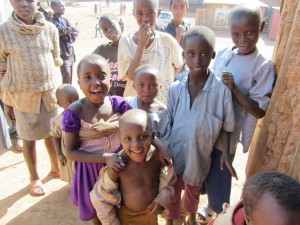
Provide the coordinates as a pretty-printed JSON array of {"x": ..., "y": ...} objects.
[
  {"x": 65, "y": 95},
  {"x": 25, "y": 10},
  {"x": 136, "y": 134},
  {"x": 146, "y": 12},
  {"x": 198, "y": 48},
  {"x": 178, "y": 9},
  {"x": 94, "y": 77},
  {"x": 246, "y": 23},
  {"x": 146, "y": 83},
  {"x": 271, "y": 198},
  {"x": 57, "y": 7},
  {"x": 110, "y": 26}
]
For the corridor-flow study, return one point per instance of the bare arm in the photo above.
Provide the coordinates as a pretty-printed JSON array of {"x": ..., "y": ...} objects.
[
  {"x": 57, "y": 144},
  {"x": 248, "y": 104}
]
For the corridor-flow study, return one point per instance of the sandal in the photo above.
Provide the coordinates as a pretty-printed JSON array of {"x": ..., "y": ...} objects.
[
  {"x": 205, "y": 215},
  {"x": 54, "y": 174},
  {"x": 36, "y": 188}
]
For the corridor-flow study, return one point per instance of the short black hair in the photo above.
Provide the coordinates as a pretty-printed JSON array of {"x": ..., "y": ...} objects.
[
  {"x": 92, "y": 58},
  {"x": 53, "y": 3},
  {"x": 203, "y": 32},
  {"x": 185, "y": 1},
  {"x": 283, "y": 188},
  {"x": 109, "y": 16},
  {"x": 146, "y": 68},
  {"x": 246, "y": 9}
]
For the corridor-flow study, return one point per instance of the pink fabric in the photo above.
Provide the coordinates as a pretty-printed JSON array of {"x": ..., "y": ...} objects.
[{"x": 190, "y": 199}]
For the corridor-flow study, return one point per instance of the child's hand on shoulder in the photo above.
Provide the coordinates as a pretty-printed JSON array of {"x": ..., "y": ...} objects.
[
  {"x": 155, "y": 208},
  {"x": 115, "y": 162},
  {"x": 228, "y": 80}
]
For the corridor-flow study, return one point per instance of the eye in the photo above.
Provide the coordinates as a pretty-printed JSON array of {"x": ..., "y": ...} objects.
[
  {"x": 127, "y": 139},
  {"x": 151, "y": 13},
  {"x": 191, "y": 54},
  {"x": 234, "y": 34},
  {"x": 143, "y": 137},
  {"x": 102, "y": 76},
  {"x": 87, "y": 77},
  {"x": 203, "y": 54},
  {"x": 250, "y": 32},
  {"x": 139, "y": 14},
  {"x": 154, "y": 85},
  {"x": 141, "y": 85}
]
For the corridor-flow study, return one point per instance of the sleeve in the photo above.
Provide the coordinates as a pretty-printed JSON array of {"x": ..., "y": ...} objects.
[
  {"x": 177, "y": 59},
  {"x": 62, "y": 30},
  {"x": 56, "y": 49},
  {"x": 3, "y": 56},
  {"x": 71, "y": 121},
  {"x": 120, "y": 105},
  {"x": 166, "y": 191},
  {"x": 125, "y": 56},
  {"x": 105, "y": 196},
  {"x": 229, "y": 117},
  {"x": 263, "y": 85},
  {"x": 97, "y": 51},
  {"x": 74, "y": 33}
]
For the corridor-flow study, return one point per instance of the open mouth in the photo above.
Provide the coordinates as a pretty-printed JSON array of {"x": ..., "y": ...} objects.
[
  {"x": 96, "y": 92},
  {"x": 137, "y": 152}
]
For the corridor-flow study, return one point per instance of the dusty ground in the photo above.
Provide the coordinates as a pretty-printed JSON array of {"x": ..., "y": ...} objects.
[{"x": 17, "y": 206}]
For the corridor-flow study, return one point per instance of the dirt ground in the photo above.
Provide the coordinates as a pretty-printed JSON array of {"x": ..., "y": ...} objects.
[{"x": 16, "y": 205}]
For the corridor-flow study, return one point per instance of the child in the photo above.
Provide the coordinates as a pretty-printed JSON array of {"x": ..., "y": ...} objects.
[
  {"x": 65, "y": 95},
  {"x": 267, "y": 198},
  {"x": 112, "y": 31},
  {"x": 97, "y": 29},
  {"x": 123, "y": 196},
  {"x": 5, "y": 141},
  {"x": 91, "y": 130},
  {"x": 67, "y": 36},
  {"x": 250, "y": 77},
  {"x": 177, "y": 26},
  {"x": 146, "y": 83},
  {"x": 147, "y": 46},
  {"x": 29, "y": 49},
  {"x": 199, "y": 106}
]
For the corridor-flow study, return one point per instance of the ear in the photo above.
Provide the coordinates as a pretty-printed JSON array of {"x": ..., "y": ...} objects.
[
  {"x": 246, "y": 217},
  {"x": 213, "y": 55},
  {"x": 158, "y": 12},
  {"x": 262, "y": 26},
  {"x": 110, "y": 81}
]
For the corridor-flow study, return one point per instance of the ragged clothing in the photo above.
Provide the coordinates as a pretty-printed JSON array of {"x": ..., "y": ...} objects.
[{"x": 106, "y": 197}]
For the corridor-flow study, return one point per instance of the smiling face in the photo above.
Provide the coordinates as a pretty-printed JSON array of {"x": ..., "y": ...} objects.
[
  {"x": 94, "y": 80},
  {"x": 146, "y": 12},
  {"x": 178, "y": 9},
  {"x": 146, "y": 85},
  {"x": 245, "y": 31},
  {"x": 25, "y": 10},
  {"x": 136, "y": 134},
  {"x": 111, "y": 29},
  {"x": 197, "y": 54}
]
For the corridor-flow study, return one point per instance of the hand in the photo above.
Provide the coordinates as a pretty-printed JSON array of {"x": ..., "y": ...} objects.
[
  {"x": 228, "y": 80},
  {"x": 164, "y": 152},
  {"x": 144, "y": 34},
  {"x": 115, "y": 162},
  {"x": 179, "y": 31},
  {"x": 156, "y": 208},
  {"x": 9, "y": 112},
  {"x": 62, "y": 159},
  {"x": 225, "y": 159}
]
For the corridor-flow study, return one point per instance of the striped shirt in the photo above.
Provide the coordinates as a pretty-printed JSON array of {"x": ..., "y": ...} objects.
[{"x": 254, "y": 75}]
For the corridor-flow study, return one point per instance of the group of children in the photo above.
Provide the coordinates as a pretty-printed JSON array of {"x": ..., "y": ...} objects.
[{"x": 119, "y": 146}]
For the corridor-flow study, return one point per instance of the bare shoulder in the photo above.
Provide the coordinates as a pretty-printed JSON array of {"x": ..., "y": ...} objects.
[{"x": 78, "y": 106}]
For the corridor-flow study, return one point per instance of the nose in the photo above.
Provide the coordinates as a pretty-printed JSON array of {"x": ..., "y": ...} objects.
[
  {"x": 23, "y": 3},
  {"x": 243, "y": 38},
  {"x": 135, "y": 144},
  {"x": 146, "y": 18},
  {"x": 146, "y": 89}
]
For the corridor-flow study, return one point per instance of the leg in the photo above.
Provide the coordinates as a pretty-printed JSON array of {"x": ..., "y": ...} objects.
[
  {"x": 65, "y": 71},
  {"x": 190, "y": 202},
  {"x": 52, "y": 155},
  {"x": 174, "y": 209}
]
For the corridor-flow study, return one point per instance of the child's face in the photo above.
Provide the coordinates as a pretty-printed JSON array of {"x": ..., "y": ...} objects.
[
  {"x": 111, "y": 29},
  {"x": 145, "y": 11},
  {"x": 269, "y": 211},
  {"x": 197, "y": 54},
  {"x": 136, "y": 138},
  {"x": 94, "y": 80},
  {"x": 245, "y": 33},
  {"x": 59, "y": 9},
  {"x": 146, "y": 86},
  {"x": 25, "y": 9},
  {"x": 178, "y": 9}
]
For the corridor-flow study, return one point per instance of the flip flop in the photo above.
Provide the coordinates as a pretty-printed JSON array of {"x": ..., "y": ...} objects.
[
  {"x": 52, "y": 174},
  {"x": 205, "y": 215},
  {"x": 36, "y": 188}
]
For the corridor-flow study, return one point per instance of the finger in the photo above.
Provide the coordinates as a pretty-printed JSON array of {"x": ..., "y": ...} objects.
[
  {"x": 221, "y": 164},
  {"x": 153, "y": 210},
  {"x": 231, "y": 170}
]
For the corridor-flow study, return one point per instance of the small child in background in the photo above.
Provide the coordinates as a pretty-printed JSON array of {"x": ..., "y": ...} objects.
[
  {"x": 147, "y": 46},
  {"x": 97, "y": 29},
  {"x": 112, "y": 31},
  {"x": 123, "y": 196},
  {"x": 250, "y": 77},
  {"x": 199, "y": 106},
  {"x": 146, "y": 83},
  {"x": 267, "y": 198},
  {"x": 177, "y": 26},
  {"x": 91, "y": 131},
  {"x": 65, "y": 95}
]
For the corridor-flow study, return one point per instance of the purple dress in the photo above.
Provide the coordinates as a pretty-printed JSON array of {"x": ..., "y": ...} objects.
[{"x": 87, "y": 173}]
